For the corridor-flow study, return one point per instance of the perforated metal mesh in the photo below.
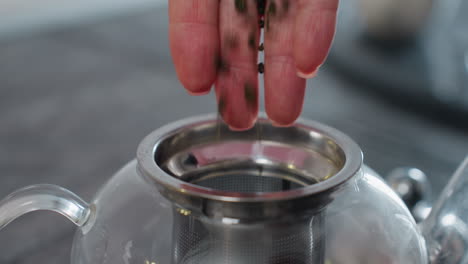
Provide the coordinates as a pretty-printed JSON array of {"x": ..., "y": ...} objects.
[
  {"x": 204, "y": 241},
  {"x": 248, "y": 183}
]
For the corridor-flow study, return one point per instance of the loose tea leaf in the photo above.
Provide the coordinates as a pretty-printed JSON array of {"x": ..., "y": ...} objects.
[
  {"x": 241, "y": 6},
  {"x": 270, "y": 13},
  {"x": 250, "y": 94},
  {"x": 221, "y": 65},
  {"x": 272, "y": 9},
  {"x": 231, "y": 40},
  {"x": 251, "y": 41},
  {"x": 285, "y": 5},
  {"x": 221, "y": 105},
  {"x": 261, "y": 7},
  {"x": 191, "y": 160}
]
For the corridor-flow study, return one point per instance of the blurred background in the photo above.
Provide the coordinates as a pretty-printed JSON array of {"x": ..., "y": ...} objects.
[{"x": 82, "y": 82}]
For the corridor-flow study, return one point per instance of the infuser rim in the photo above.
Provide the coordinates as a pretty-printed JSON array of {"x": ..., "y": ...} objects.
[{"x": 149, "y": 168}]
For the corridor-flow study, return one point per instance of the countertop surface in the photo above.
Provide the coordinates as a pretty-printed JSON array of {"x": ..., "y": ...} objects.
[{"x": 75, "y": 102}]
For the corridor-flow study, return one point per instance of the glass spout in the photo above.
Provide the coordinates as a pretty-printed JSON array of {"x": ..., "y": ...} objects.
[
  {"x": 446, "y": 228},
  {"x": 44, "y": 197}
]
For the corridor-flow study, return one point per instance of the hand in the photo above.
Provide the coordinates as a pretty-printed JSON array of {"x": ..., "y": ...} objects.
[{"x": 216, "y": 41}]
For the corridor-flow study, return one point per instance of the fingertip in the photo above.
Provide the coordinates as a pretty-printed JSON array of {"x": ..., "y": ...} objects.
[
  {"x": 307, "y": 75},
  {"x": 196, "y": 86},
  {"x": 314, "y": 33},
  {"x": 199, "y": 92},
  {"x": 275, "y": 124},
  {"x": 284, "y": 92},
  {"x": 280, "y": 118},
  {"x": 242, "y": 127},
  {"x": 237, "y": 107},
  {"x": 239, "y": 122},
  {"x": 240, "y": 119},
  {"x": 193, "y": 56}
]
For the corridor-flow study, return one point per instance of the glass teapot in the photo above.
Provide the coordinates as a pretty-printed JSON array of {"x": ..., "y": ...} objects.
[{"x": 199, "y": 193}]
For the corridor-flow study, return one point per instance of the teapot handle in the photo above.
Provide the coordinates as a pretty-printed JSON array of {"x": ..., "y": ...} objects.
[
  {"x": 446, "y": 228},
  {"x": 44, "y": 197},
  {"x": 445, "y": 225}
]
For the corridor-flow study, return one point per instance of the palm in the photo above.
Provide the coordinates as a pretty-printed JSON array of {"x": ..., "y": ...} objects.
[{"x": 216, "y": 41}]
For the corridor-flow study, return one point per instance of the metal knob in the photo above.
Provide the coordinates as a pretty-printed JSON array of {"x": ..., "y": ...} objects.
[{"x": 414, "y": 189}]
